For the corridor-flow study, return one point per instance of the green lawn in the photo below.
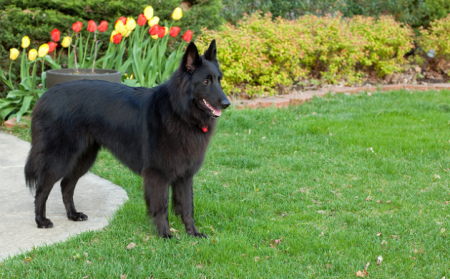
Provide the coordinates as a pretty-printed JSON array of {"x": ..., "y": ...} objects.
[{"x": 312, "y": 191}]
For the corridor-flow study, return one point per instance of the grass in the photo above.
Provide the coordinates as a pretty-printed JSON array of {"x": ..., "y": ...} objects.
[{"x": 317, "y": 190}]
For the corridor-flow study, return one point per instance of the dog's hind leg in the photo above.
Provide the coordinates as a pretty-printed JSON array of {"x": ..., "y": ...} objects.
[
  {"x": 68, "y": 183},
  {"x": 183, "y": 202},
  {"x": 156, "y": 189},
  {"x": 44, "y": 186}
]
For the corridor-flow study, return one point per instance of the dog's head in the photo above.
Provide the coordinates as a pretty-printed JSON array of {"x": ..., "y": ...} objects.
[{"x": 205, "y": 79}]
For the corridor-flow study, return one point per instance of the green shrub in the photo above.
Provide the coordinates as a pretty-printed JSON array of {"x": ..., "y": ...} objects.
[
  {"x": 431, "y": 10},
  {"x": 405, "y": 11},
  {"x": 265, "y": 55},
  {"x": 331, "y": 50},
  {"x": 437, "y": 37},
  {"x": 384, "y": 42},
  {"x": 233, "y": 12},
  {"x": 412, "y": 12}
]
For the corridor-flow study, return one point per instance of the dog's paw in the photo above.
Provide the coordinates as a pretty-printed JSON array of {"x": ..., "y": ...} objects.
[
  {"x": 166, "y": 236},
  {"x": 43, "y": 223},
  {"x": 200, "y": 235},
  {"x": 78, "y": 216},
  {"x": 195, "y": 233}
]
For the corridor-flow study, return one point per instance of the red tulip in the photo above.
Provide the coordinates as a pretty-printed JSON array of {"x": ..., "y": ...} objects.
[
  {"x": 174, "y": 31},
  {"x": 92, "y": 26},
  {"x": 117, "y": 38},
  {"x": 161, "y": 32},
  {"x": 55, "y": 35},
  {"x": 51, "y": 46},
  {"x": 123, "y": 19},
  {"x": 142, "y": 20},
  {"x": 103, "y": 26},
  {"x": 154, "y": 30},
  {"x": 77, "y": 26},
  {"x": 188, "y": 36}
]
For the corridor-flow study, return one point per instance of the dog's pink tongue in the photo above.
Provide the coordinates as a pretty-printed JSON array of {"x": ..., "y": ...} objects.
[{"x": 217, "y": 112}]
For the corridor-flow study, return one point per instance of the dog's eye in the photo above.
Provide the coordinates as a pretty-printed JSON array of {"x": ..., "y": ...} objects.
[{"x": 206, "y": 81}]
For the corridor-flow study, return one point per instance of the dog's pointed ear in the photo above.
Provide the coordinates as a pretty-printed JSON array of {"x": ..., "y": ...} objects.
[
  {"x": 211, "y": 53},
  {"x": 191, "y": 58}
]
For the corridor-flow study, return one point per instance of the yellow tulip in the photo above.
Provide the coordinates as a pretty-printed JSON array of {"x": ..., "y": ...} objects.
[
  {"x": 126, "y": 33},
  {"x": 148, "y": 12},
  {"x": 14, "y": 53},
  {"x": 66, "y": 41},
  {"x": 153, "y": 21},
  {"x": 43, "y": 50},
  {"x": 177, "y": 14},
  {"x": 120, "y": 27},
  {"x": 131, "y": 24},
  {"x": 155, "y": 37},
  {"x": 32, "y": 54},
  {"x": 25, "y": 42}
]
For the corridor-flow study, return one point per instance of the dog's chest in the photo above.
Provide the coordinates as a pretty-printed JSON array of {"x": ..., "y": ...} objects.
[{"x": 184, "y": 152}]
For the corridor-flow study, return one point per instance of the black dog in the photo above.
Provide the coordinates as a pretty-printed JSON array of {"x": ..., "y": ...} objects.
[{"x": 161, "y": 133}]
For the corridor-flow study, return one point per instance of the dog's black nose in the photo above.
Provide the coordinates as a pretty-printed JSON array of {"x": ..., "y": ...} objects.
[{"x": 225, "y": 103}]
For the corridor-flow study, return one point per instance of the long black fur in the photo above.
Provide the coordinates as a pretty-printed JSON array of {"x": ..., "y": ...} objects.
[{"x": 161, "y": 133}]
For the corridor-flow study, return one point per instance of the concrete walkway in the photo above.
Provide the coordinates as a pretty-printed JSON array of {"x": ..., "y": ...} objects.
[{"x": 94, "y": 196}]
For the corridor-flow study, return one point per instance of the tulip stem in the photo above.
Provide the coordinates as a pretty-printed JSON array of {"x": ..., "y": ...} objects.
[
  {"x": 9, "y": 74},
  {"x": 42, "y": 71},
  {"x": 75, "y": 54},
  {"x": 75, "y": 58},
  {"x": 23, "y": 73},
  {"x": 33, "y": 78},
  {"x": 59, "y": 56},
  {"x": 84, "y": 52},
  {"x": 95, "y": 51}
]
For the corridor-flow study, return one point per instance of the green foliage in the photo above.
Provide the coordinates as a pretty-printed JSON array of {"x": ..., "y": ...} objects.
[
  {"x": 245, "y": 56},
  {"x": 430, "y": 10},
  {"x": 437, "y": 37},
  {"x": 415, "y": 13},
  {"x": 265, "y": 55},
  {"x": 406, "y": 11},
  {"x": 21, "y": 98},
  {"x": 37, "y": 18},
  {"x": 147, "y": 63},
  {"x": 233, "y": 12},
  {"x": 142, "y": 60},
  {"x": 384, "y": 42},
  {"x": 412, "y": 12}
]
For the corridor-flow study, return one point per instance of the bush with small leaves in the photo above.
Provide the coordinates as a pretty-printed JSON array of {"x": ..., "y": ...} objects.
[{"x": 264, "y": 56}]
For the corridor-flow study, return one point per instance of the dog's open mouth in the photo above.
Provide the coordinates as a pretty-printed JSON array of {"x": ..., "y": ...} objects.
[{"x": 212, "y": 111}]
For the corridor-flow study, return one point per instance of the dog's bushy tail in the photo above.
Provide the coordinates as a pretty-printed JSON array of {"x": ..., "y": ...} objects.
[{"x": 31, "y": 173}]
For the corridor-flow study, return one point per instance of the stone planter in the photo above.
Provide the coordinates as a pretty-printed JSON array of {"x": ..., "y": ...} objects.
[{"x": 56, "y": 76}]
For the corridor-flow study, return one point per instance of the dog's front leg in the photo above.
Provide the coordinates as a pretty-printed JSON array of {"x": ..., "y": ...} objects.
[
  {"x": 183, "y": 203},
  {"x": 156, "y": 189}
]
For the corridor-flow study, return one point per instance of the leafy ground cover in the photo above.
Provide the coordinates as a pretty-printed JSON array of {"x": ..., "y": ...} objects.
[{"x": 318, "y": 190}]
